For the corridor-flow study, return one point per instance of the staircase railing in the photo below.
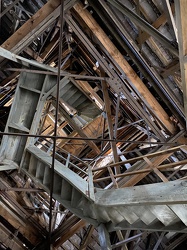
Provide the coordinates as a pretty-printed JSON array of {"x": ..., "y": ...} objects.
[{"x": 85, "y": 174}]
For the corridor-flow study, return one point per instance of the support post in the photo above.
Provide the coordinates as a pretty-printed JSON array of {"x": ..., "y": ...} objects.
[{"x": 104, "y": 238}]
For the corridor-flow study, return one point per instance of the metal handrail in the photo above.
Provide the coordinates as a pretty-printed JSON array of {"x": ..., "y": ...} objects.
[{"x": 68, "y": 162}]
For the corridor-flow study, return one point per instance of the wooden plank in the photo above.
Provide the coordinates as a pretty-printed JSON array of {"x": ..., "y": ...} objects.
[
  {"x": 176, "y": 242},
  {"x": 31, "y": 24},
  {"x": 123, "y": 64},
  {"x": 87, "y": 88},
  {"x": 50, "y": 47},
  {"x": 164, "y": 214},
  {"x": 155, "y": 169},
  {"x": 135, "y": 159},
  {"x": 86, "y": 239},
  {"x": 135, "y": 179},
  {"x": 127, "y": 182},
  {"x": 89, "y": 129},
  {"x": 180, "y": 211},
  {"x": 79, "y": 130},
  {"x": 8, "y": 7},
  {"x": 121, "y": 238},
  {"x": 144, "y": 213},
  {"x": 24, "y": 228},
  {"x": 69, "y": 233},
  {"x": 155, "y": 226},
  {"x": 171, "y": 19},
  {"x": 139, "y": 21}
]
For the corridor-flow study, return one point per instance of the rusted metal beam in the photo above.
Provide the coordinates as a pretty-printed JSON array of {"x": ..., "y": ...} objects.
[
  {"x": 90, "y": 139},
  {"x": 145, "y": 26}
]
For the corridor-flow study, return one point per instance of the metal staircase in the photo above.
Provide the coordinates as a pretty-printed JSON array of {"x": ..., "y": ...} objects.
[
  {"x": 76, "y": 100},
  {"x": 31, "y": 94},
  {"x": 154, "y": 207},
  {"x": 149, "y": 207}
]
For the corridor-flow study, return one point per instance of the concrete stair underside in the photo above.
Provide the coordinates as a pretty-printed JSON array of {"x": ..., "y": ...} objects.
[{"x": 140, "y": 207}]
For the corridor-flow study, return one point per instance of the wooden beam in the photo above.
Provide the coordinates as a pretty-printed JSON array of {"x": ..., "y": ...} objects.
[
  {"x": 85, "y": 241},
  {"x": 135, "y": 159},
  {"x": 180, "y": 10},
  {"x": 145, "y": 26},
  {"x": 121, "y": 238},
  {"x": 156, "y": 170},
  {"x": 150, "y": 168},
  {"x": 135, "y": 179},
  {"x": 123, "y": 64},
  {"x": 127, "y": 182},
  {"x": 9, "y": 7},
  {"x": 85, "y": 86},
  {"x": 109, "y": 120},
  {"x": 31, "y": 24},
  {"x": 176, "y": 242},
  {"x": 24, "y": 228},
  {"x": 48, "y": 49},
  {"x": 155, "y": 226},
  {"x": 93, "y": 127},
  {"x": 69, "y": 233},
  {"x": 79, "y": 130}
]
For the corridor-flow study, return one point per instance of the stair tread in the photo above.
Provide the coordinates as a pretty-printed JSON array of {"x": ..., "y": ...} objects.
[
  {"x": 144, "y": 213},
  {"x": 127, "y": 212},
  {"x": 65, "y": 88},
  {"x": 180, "y": 211},
  {"x": 75, "y": 102},
  {"x": 75, "y": 180},
  {"x": 114, "y": 215},
  {"x": 66, "y": 96},
  {"x": 71, "y": 190},
  {"x": 164, "y": 214}
]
